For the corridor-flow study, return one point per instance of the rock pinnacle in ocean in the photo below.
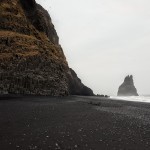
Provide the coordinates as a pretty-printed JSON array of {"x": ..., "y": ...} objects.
[{"x": 127, "y": 88}]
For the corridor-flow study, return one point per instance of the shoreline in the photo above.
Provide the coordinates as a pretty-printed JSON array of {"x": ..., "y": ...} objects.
[{"x": 119, "y": 98}]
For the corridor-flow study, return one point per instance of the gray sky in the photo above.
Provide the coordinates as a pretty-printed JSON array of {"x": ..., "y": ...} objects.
[{"x": 105, "y": 40}]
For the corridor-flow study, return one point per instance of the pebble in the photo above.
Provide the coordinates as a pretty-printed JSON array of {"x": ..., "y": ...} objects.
[{"x": 76, "y": 146}]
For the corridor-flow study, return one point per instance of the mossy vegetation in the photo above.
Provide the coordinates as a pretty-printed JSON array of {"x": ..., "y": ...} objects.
[
  {"x": 30, "y": 63},
  {"x": 31, "y": 59}
]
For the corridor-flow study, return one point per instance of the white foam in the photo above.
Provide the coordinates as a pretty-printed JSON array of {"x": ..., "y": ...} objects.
[{"x": 145, "y": 99}]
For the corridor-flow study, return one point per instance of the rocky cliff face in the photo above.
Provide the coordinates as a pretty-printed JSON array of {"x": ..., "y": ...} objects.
[
  {"x": 40, "y": 19},
  {"x": 31, "y": 59},
  {"x": 76, "y": 87},
  {"x": 127, "y": 88}
]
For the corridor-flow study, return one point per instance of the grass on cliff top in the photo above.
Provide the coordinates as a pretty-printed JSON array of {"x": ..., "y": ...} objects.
[
  {"x": 15, "y": 34},
  {"x": 13, "y": 9}
]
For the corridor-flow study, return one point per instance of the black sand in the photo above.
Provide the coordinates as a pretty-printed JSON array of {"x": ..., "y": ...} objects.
[{"x": 82, "y": 123}]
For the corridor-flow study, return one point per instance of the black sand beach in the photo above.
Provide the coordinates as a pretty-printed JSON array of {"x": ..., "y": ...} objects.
[{"x": 73, "y": 123}]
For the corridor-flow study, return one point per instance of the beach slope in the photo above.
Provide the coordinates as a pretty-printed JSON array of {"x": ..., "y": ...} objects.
[{"x": 69, "y": 123}]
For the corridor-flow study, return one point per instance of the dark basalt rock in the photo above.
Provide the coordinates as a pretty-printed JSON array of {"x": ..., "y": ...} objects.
[
  {"x": 76, "y": 87},
  {"x": 28, "y": 4},
  {"x": 40, "y": 19},
  {"x": 31, "y": 59},
  {"x": 127, "y": 88}
]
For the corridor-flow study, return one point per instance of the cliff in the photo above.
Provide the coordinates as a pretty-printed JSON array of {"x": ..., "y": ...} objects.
[
  {"x": 127, "y": 88},
  {"x": 31, "y": 59},
  {"x": 76, "y": 87}
]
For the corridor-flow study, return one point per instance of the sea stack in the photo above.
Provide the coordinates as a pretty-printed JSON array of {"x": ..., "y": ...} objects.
[
  {"x": 127, "y": 88},
  {"x": 31, "y": 58}
]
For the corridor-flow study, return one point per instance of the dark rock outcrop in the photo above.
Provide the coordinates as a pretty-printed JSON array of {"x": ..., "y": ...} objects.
[
  {"x": 40, "y": 19},
  {"x": 76, "y": 87},
  {"x": 31, "y": 59},
  {"x": 127, "y": 88}
]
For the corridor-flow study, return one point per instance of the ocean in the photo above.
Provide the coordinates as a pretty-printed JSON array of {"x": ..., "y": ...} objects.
[{"x": 145, "y": 98}]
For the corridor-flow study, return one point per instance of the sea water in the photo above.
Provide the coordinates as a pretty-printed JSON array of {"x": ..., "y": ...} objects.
[{"x": 145, "y": 98}]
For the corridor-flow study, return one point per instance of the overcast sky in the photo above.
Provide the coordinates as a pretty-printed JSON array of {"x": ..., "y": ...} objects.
[{"x": 105, "y": 40}]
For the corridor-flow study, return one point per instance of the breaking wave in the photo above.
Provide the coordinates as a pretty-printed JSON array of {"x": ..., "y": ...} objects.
[{"x": 145, "y": 99}]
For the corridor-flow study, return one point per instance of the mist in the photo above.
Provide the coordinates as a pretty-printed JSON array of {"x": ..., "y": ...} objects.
[{"x": 104, "y": 41}]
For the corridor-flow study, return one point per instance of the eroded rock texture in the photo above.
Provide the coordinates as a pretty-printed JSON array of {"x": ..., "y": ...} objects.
[
  {"x": 127, "y": 88},
  {"x": 31, "y": 59}
]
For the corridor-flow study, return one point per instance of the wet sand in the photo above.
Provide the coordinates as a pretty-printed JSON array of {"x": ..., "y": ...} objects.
[{"x": 73, "y": 123}]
